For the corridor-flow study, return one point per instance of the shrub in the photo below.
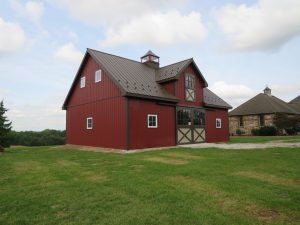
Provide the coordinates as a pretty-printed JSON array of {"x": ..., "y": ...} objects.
[
  {"x": 255, "y": 132},
  {"x": 240, "y": 132},
  {"x": 264, "y": 131}
]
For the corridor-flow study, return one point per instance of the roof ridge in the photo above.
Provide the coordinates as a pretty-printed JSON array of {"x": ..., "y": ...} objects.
[
  {"x": 176, "y": 63},
  {"x": 115, "y": 55}
]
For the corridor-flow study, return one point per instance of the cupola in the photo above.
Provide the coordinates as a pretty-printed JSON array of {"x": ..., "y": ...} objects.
[
  {"x": 267, "y": 91},
  {"x": 150, "y": 59}
]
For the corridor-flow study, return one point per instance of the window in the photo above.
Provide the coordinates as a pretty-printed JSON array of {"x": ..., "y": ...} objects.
[
  {"x": 98, "y": 75},
  {"x": 218, "y": 123},
  {"x": 261, "y": 120},
  {"x": 82, "y": 82},
  {"x": 184, "y": 117},
  {"x": 89, "y": 123},
  {"x": 241, "y": 121},
  {"x": 152, "y": 121},
  {"x": 190, "y": 88},
  {"x": 199, "y": 117}
]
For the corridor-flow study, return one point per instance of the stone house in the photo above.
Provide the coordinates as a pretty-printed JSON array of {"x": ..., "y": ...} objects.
[{"x": 260, "y": 111}]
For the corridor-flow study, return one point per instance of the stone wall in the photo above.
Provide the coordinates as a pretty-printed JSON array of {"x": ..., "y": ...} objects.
[{"x": 250, "y": 122}]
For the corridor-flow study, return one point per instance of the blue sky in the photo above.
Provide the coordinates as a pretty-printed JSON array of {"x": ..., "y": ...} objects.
[{"x": 239, "y": 46}]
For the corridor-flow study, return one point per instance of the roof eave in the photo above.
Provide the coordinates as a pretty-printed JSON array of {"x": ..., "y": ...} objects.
[
  {"x": 217, "y": 106},
  {"x": 128, "y": 94}
]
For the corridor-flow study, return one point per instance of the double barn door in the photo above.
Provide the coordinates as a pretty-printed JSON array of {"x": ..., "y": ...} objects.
[{"x": 190, "y": 125}]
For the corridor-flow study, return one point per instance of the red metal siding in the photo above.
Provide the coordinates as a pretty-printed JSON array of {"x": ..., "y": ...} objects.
[
  {"x": 103, "y": 102},
  {"x": 92, "y": 91},
  {"x": 170, "y": 87},
  {"x": 181, "y": 88},
  {"x": 140, "y": 136},
  {"x": 108, "y": 124},
  {"x": 214, "y": 134}
]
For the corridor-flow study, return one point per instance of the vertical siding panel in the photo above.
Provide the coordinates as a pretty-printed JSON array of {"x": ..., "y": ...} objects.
[
  {"x": 103, "y": 102},
  {"x": 214, "y": 134},
  {"x": 143, "y": 137}
]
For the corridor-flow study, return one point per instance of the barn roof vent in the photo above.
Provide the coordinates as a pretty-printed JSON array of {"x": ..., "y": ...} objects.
[
  {"x": 150, "y": 59},
  {"x": 267, "y": 91}
]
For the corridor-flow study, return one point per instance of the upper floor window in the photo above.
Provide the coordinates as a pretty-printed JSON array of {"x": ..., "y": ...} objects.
[
  {"x": 218, "y": 123},
  {"x": 89, "y": 123},
  {"x": 98, "y": 75},
  {"x": 82, "y": 82},
  {"x": 261, "y": 120},
  {"x": 152, "y": 121},
  {"x": 190, "y": 87},
  {"x": 241, "y": 121}
]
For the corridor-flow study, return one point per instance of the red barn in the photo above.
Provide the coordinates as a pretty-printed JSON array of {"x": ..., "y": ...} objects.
[{"x": 120, "y": 103}]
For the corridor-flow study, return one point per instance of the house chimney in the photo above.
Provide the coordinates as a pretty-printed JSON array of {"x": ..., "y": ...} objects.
[
  {"x": 151, "y": 60},
  {"x": 267, "y": 91}
]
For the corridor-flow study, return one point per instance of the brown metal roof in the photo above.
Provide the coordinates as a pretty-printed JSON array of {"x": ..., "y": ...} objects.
[
  {"x": 172, "y": 71},
  {"x": 263, "y": 104},
  {"x": 134, "y": 78},
  {"x": 210, "y": 99},
  {"x": 139, "y": 80}
]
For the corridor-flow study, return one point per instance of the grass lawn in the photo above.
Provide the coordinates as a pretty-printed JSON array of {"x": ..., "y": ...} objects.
[
  {"x": 263, "y": 139},
  {"x": 175, "y": 186}
]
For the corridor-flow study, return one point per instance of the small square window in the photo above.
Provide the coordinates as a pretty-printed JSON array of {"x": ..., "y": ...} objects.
[
  {"x": 152, "y": 121},
  {"x": 218, "y": 123},
  {"x": 98, "y": 75},
  {"x": 89, "y": 123},
  {"x": 82, "y": 82}
]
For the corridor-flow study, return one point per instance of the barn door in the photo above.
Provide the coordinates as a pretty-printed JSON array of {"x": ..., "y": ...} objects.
[{"x": 190, "y": 125}]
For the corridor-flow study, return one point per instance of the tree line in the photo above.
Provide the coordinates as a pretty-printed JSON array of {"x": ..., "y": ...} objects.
[{"x": 27, "y": 138}]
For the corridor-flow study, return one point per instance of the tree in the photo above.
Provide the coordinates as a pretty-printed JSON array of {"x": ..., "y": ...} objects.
[
  {"x": 286, "y": 121},
  {"x": 5, "y": 127}
]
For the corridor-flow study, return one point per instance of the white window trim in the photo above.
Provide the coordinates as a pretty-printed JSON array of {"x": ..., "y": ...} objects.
[
  {"x": 220, "y": 121},
  {"x": 82, "y": 82},
  {"x": 100, "y": 77},
  {"x": 149, "y": 121},
  {"x": 87, "y": 123}
]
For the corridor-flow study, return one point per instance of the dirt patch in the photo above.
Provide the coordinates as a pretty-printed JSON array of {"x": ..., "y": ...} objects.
[
  {"x": 93, "y": 177},
  {"x": 228, "y": 203},
  {"x": 27, "y": 166},
  {"x": 182, "y": 155},
  {"x": 270, "y": 178},
  {"x": 66, "y": 163},
  {"x": 167, "y": 161}
]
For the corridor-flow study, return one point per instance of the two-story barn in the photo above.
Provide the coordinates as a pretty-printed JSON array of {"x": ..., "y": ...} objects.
[{"x": 120, "y": 103}]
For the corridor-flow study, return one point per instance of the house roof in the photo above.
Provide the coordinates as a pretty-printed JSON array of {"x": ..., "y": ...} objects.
[
  {"x": 263, "y": 104},
  {"x": 212, "y": 100},
  {"x": 139, "y": 80},
  {"x": 295, "y": 103},
  {"x": 172, "y": 71}
]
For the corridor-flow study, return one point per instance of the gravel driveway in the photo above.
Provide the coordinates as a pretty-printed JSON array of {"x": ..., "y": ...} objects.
[{"x": 272, "y": 144}]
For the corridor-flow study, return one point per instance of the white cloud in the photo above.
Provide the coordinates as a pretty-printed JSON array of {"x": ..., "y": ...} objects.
[
  {"x": 159, "y": 29},
  {"x": 234, "y": 94},
  {"x": 113, "y": 12},
  {"x": 266, "y": 25},
  {"x": 68, "y": 53},
  {"x": 12, "y": 37},
  {"x": 31, "y": 9},
  {"x": 47, "y": 115},
  {"x": 139, "y": 21}
]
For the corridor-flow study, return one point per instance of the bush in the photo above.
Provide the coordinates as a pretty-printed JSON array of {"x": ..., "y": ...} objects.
[
  {"x": 264, "y": 131},
  {"x": 255, "y": 132},
  {"x": 240, "y": 132}
]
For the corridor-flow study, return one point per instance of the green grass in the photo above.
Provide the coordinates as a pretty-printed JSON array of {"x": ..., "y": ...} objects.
[
  {"x": 263, "y": 139},
  {"x": 175, "y": 186}
]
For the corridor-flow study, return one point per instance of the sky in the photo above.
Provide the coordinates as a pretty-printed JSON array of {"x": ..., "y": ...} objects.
[{"x": 240, "y": 46}]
